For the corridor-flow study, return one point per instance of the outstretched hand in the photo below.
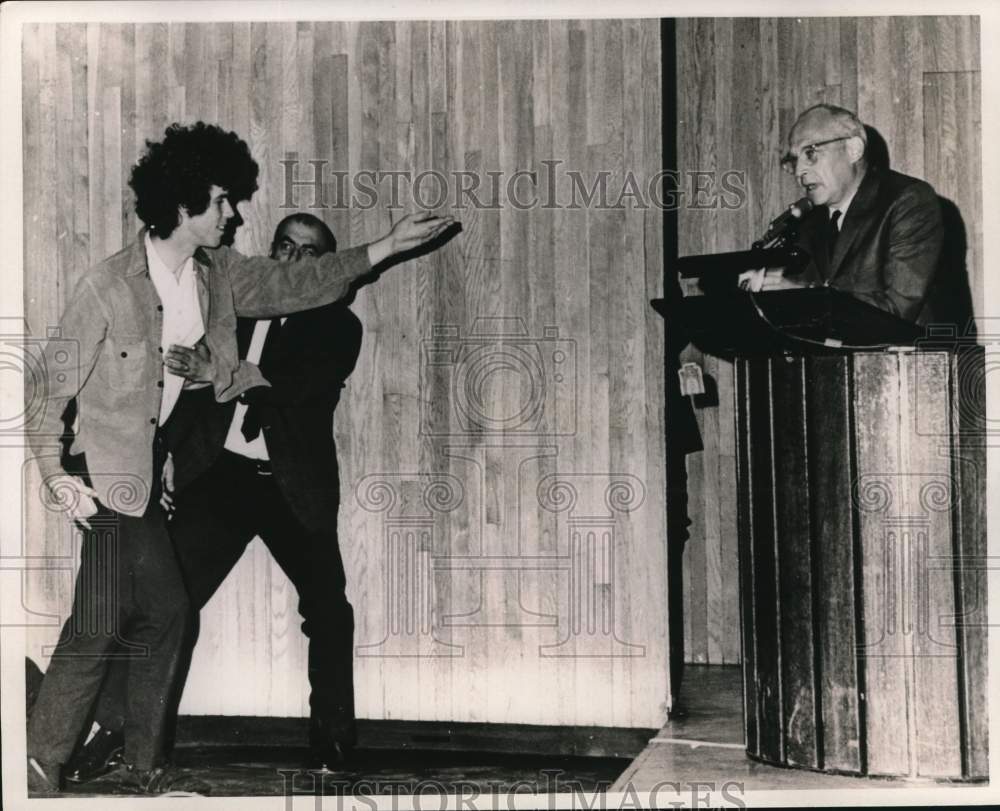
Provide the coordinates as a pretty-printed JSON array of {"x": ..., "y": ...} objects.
[{"x": 409, "y": 233}]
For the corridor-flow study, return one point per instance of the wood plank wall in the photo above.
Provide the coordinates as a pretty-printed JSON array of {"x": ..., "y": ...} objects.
[
  {"x": 509, "y": 570},
  {"x": 742, "y": 83}
]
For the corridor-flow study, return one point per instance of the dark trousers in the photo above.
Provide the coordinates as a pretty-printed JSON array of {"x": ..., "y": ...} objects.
[
  {"x": 130, "y": 608},
  {"x": 216, "y": 517}
]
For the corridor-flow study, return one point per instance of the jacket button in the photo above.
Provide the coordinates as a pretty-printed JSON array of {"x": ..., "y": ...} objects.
[
  {"x": 124, "y": 354},
  {"x": 152, "y": 420},
  {"x": 159, "y": 349},
  {"x": 159, "y": 384},
  {"x": 159, "y": 308}
]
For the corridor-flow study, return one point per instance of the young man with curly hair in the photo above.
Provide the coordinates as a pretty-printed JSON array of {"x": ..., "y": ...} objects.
[{"x": 148, "y": 321}]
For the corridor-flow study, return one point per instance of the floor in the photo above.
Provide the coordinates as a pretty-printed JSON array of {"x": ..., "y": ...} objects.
[
  {"x": 705, "y": 745},
  {"x": 241, "y": 771}
]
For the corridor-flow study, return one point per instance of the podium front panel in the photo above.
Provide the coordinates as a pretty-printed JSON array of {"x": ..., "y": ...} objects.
[{"x": 861, "y": 484}]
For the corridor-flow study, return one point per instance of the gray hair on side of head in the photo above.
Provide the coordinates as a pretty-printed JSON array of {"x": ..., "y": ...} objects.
[{"x": 847, "y": 122}]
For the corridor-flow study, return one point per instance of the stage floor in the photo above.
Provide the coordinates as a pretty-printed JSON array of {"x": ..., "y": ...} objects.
[
  {"x": 705, "y": 746},
  {"x": 244, "y": 771}
]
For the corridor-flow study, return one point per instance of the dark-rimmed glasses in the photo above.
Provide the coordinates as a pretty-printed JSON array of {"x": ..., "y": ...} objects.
[
  {"x": 286, "y": 249},
  {"x": 808, "y": 154}
]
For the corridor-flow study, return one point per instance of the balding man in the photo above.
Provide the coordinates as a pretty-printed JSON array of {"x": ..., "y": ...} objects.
[{"x": 873, "y": 233}]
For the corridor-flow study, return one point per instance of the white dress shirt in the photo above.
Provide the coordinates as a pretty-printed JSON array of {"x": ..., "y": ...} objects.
[
  {"x": 182, "y": 321},
  {"x": 235, "y": 441},
  {"x": 842, "y": 208}
]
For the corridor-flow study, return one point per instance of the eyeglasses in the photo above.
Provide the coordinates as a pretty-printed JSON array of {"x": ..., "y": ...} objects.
[
  {"x": 286, "y": 248},
  {"x": 808, "y": 154}
]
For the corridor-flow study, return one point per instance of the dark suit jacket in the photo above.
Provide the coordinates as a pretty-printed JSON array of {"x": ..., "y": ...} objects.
[
  {"x": 314, "y": 353},
  {"x": 889, "y": 245}
]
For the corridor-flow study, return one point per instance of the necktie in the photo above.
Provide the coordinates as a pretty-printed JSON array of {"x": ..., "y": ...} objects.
[
  {"x": 253, "y": 419},
  {"x": 832, "y": 234}
]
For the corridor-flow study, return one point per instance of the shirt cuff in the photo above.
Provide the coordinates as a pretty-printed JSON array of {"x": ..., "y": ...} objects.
[{"x": 246, "y": 376}]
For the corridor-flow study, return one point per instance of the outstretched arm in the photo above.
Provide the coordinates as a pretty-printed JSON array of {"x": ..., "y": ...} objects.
[
  {"x": 408, "y": 234},
  {"x": 264, "y": 288}
]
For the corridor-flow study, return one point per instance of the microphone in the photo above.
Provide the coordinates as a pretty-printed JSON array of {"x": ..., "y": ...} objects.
[{"x": 785, "y": 221}]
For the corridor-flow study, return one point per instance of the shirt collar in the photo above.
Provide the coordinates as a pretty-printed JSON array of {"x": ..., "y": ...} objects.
[
  {"x": 137, "y": 262},
  {"x": 158, "y": 269},
  {"x": 846, "y": 204}
]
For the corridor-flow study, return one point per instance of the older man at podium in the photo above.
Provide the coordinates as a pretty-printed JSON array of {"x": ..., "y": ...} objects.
[{"x": 872, "y": 232}]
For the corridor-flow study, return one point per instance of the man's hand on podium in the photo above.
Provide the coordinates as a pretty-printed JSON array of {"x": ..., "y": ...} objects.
[{"x": 766, "y": 279}]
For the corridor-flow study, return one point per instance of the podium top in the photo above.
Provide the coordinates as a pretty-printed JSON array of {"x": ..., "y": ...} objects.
[{"x": 814, "y": 319}]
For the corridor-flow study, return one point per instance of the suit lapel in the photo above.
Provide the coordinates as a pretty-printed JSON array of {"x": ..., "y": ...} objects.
[
  {"x": 244, "y": 332},
  {"x": 854, "y": 221},
  {"x": 269, "y": 353},
  {"x": 821, "y": 253}
]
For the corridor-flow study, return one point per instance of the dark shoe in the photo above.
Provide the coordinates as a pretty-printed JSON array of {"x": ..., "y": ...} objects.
[
  {"x": 334, "y": 756},
  {"x": 158, "y": 781},
  {"x": 331, "y": 742},
  {"x": 98, "y": 757},
  {"x": 43, "y": 778}
]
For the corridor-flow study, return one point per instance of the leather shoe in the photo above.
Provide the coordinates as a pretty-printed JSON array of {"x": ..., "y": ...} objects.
[
  {"x": 44, "y": 779},
  {"x": 159, "y": 781},
  {"x": 98, "y": 757},
  {"x": 331, "y": 742},
  {"x": 333, "y": 756}
]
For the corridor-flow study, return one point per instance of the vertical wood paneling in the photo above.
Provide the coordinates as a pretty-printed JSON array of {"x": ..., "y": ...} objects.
[
  {"x": 930, "y": 499},
  {"x": 969, "y": 466},
  {"x": 830, "y": 468},
  {"x": 416, "y": 96},
  {"x": 698, "y": 149},
  {"x": 764, "y": 571},
  {"x": 888, "y": 654},
  {"x": 952, "y": 106},
  {"x": 867, "y": 517},
  {"x": 745, "y": 440},
  {"x": 742, "y": 83},
  {"x": 564, "y": 72},
  {"x": 795, "y": 573}
]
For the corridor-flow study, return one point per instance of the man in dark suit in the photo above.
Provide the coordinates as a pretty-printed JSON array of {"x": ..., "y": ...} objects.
[
  {"x": 874, "y": 233},
  {"x": 267, "y": 466}
]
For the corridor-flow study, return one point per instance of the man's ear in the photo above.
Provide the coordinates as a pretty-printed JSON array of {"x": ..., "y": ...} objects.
[{"x": 855, "y": 148}]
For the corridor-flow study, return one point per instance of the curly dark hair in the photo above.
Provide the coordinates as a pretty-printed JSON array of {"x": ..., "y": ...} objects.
[{"x": 180, "y": 170}]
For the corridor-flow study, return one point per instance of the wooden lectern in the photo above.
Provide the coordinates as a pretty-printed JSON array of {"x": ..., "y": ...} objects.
[{"x": 861, "y": 470}]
